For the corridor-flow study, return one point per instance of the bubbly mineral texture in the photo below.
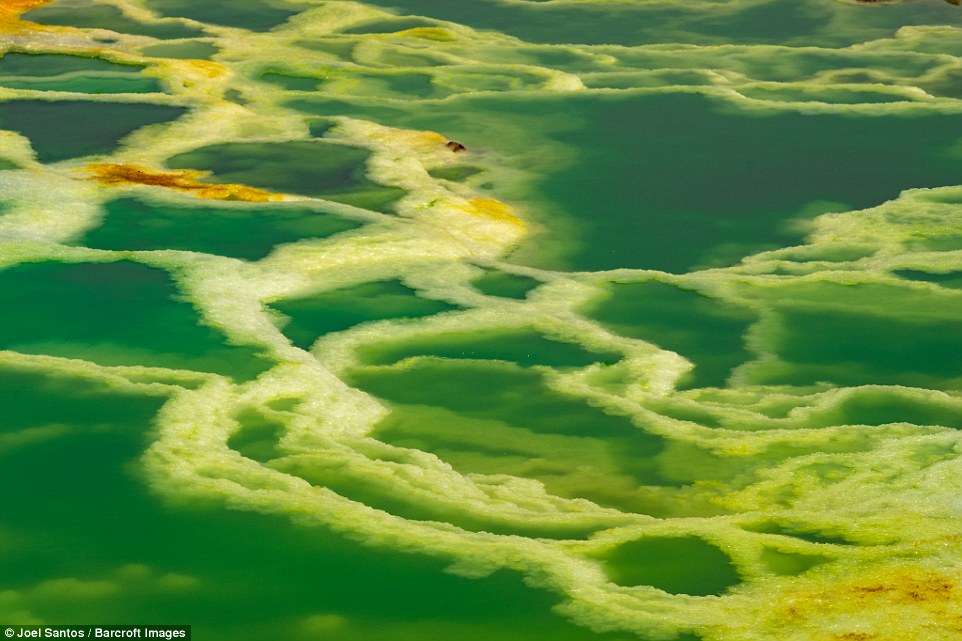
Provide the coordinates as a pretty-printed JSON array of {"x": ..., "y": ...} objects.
[{"x": 544, "y": 320}]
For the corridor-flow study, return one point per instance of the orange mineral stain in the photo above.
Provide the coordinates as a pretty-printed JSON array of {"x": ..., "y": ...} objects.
[
  {"x": 186, "y": 180},
  {"x": 16, "y": 7},
  {"x": 11, "y": 10}
]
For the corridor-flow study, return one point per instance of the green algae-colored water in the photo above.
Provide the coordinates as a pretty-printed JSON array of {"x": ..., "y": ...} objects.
[{"x": 547, "y": 320}]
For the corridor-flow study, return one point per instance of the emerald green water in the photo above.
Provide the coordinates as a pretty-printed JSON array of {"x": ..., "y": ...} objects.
[
  {"x": 77, "y": 13},
  {"x": 495, "y": 283},
  {"x": 114, "y": 314},
  {"x": 652, "y": 186},
  {"x": 316, "y": 169},
  {"x": 807, "y": 23},
  {"x": 187, "y": 563},
  {"x": 189, "y": 50},
  {"x": 248, "y": 233},
  {"x": 63, "y": 130},
  {"x": 541, "y": 320},
  {"x": 702, "y": 329},
  {"x": 523, "y": 347},
  {"x": 312, "y": 316},
  {"x": 231, "y": 13},
  {"x": 653, "y": 562}
]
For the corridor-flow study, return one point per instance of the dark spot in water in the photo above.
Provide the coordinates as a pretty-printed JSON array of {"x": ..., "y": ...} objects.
[
  {"x": 319, "y": 128},
  {"x": 455, "y": 146},
  {"x": 455, "y": 173},
  {"x": 503, "y": 284}
]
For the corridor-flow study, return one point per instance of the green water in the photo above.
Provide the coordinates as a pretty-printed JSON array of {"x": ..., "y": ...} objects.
[
  {"x": 524, "y": 348},
  {"x": 312, "y": 316},
  {"x": 77, "y": 13},
  {"x": 807, "y": 23},
  {"x": 231, "y": 13},
  {"x": 116, "y": 314},
  {"x": 652, "y": 186},
  {"x": 188, "y": 563},
  {"x": 495, "y": 283},
  {"x": 316, "y": 169},
  {"x": 654, "y": 562},
  {"x": 190, "y": 50},
  {"x": 707, "y": 331},
  {"x": 248, "y": 233},
  {"x": 541, "y": 320},
  {"x": 45, "y": 72},
  {"x": 63, "y": 130}
]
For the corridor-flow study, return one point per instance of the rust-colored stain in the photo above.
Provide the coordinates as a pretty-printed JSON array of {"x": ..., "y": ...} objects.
[
  {"x": 932, "y": 600},
  {"x": 903, "y": 588},
  {"x": 11, "y": 10},
  {"x": 186, "y": 180},
  {"x": 16, "y": 7},
  {"x": 493, "y": 209}
]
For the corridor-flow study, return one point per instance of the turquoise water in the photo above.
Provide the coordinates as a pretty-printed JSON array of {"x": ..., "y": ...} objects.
[{"x": 541, "y": 320}]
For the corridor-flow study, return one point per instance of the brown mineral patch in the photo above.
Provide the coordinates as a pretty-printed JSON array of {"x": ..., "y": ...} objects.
[
  {"x": 181, "y": 180},
  {"x": 888, "y": 602},
  {"x": 916, "y": 587}
]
